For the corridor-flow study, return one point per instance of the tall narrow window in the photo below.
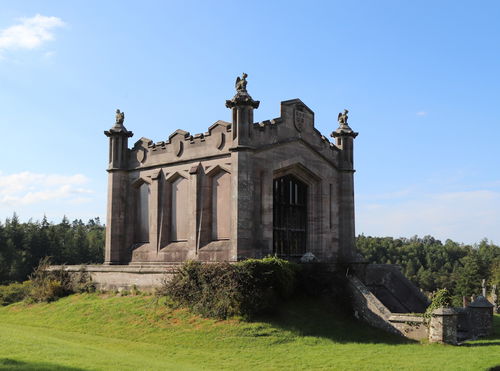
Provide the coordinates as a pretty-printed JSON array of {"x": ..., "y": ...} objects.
[
  {"x": 179, "y": 215},
  {"x": 221, "y": 206},
  {"x": 289, "y": 216},
  {"x": 142, "y": 214},
  {"x": 330, "y": 206}
]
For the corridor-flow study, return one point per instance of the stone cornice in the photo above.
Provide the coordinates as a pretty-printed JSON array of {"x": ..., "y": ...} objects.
[{"x": 242, "y": 99}]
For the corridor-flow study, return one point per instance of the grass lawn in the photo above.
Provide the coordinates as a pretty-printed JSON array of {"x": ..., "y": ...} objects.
[{"x": 92, "y": 332}]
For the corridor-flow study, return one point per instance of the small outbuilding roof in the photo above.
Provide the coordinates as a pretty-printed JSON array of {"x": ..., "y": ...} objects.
[{"x": 481, "y": 302}]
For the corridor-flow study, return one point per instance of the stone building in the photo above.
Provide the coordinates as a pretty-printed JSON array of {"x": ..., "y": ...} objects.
[
  {"x": 248, "y": 190},
  {"x": 240, "y": 190}
]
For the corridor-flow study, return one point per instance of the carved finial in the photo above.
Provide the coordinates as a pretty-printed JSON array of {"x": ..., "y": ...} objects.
[
  {"x": 120, "y": 117},
  {"x": 343, "y": 129},
  {"x": 241, "y": 83},
  {"x": 342, "y": 118}
]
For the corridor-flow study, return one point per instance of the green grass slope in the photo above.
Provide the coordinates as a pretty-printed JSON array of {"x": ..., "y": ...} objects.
[{"x": 91, "y": 332}]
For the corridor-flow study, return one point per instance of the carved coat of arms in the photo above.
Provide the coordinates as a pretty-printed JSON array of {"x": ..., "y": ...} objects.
[{"x": 299, "y": 120}]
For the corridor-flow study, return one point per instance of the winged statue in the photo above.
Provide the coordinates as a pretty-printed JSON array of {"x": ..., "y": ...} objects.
[
  {"x": 342, "y": 118},
  {"x": 241, "y": 83},
  {"x": 120, "y": 117}
]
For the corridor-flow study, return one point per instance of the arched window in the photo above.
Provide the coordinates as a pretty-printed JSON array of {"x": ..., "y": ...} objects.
[
  {"x": 221, "y": 206},
  {"x": 289, "y": 216},
  {"x": 179, "y": 210},
  {"x": 142, "y": 213}
]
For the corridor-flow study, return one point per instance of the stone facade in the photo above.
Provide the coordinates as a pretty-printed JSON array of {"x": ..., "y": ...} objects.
[{"x": 240, "y": 190}]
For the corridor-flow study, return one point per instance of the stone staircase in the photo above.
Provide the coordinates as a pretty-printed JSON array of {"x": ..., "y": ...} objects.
[{"x": 385, "y": 298}]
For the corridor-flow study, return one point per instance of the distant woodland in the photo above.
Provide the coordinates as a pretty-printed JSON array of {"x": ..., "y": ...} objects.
[
  {"x": 22, "y": 245},
  {"x": 429, "y": 263},
  {"x": 432, "y": 264}
]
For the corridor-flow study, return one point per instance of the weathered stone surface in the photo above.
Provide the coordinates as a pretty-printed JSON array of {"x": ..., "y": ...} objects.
[
  {"x": 443, "y": 326},
  {"x": 480, "y": 313},
  {"x": 117, "y": 277},
  {"x": 397, "y": 293},
  {"x": 370, "y": 309}
]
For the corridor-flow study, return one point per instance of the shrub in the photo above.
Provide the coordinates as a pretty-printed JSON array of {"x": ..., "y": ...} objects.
[
  {"x": 48, "y": 285},
  {"x": 441, "y": 298},
  {"x": 223, "y": 290},
  {"x": 14, "y": 292},
  {"x": 81, "y": 282}
]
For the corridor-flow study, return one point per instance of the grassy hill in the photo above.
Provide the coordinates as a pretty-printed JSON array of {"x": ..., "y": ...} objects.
[{"x": 93, "y": 332}]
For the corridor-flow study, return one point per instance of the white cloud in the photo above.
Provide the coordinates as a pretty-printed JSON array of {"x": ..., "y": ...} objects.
[
  {"x": 27, "y": 188},
  {"x": 30, "y": 33},
  {"x": 421, "y": 113},
  {"x": 49, "y": 54},
  {"x": 465, "y": 216}
]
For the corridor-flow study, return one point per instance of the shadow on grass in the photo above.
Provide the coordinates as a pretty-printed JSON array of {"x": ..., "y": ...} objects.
[
  {"x": 12, "y": 364},
  {"x": 482, "y": 344},
  {"x": 307, "y": 316}
]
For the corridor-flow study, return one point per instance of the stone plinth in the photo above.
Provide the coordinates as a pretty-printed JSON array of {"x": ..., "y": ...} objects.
[
  {"x": 117, "y": 277},
  {"x": 443, "y": 326}
]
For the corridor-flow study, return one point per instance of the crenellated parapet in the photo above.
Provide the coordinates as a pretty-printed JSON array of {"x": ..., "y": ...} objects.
[
  {"x": 296, "y": 123},
  {"x": 182, "y": 146}
]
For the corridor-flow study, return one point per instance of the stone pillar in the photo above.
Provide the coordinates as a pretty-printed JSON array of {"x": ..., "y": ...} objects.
[
  {"x": 242, "y": 106},
  {"x": 154, "y": 210},
  {"x": 481, "y": 317},
  {"x": 117, "y": 191},
  {"x": 344, "y": 137},
  {"x": 196, "y": 212},
  {"x": 243, "y": 236},
  {"x": 443, "y": 326}
]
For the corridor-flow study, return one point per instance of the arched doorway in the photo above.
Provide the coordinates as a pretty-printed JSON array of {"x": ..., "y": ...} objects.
[{"x": 289, "y": 217}]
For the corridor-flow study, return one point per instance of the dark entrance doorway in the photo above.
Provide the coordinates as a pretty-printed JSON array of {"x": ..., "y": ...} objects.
[{"x": 289, "y": 217}]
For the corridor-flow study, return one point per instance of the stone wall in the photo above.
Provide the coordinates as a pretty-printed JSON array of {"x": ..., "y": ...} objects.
[
  {"x": 118, "y": 277},
  {"x": 370, "y": 309},
  {"x": 397, "y": 293}
]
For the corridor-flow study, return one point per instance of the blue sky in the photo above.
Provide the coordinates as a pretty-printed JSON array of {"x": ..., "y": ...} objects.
[{"x": 421, "y": 81}]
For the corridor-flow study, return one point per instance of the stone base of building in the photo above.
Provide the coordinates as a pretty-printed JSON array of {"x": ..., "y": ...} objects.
[{"x": 121, "y": 277}]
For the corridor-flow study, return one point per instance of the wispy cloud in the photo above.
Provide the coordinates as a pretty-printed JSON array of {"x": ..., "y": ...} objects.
[
  {"x": 29, "y": 33},
  {"x": 466, "y": 216},
  {"x": 27, "y": 188},
  {"x": 49, "y": 54},
  {"x": 421, "y": 113}
]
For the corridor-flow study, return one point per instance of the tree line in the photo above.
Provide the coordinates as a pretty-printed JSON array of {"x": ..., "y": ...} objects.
[
  {"x": 426, "y": 261},
  {"x": 433, "y": 265},
  {"x": 23, "y": 245}
]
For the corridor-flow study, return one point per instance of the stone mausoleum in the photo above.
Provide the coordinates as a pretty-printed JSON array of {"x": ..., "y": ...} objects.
[
  {"x": 247, "y": 190},
  {"x": 243, "y": 189}
]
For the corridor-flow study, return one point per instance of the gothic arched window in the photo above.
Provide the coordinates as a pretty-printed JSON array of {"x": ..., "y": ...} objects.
[
  {"x": 142, "y": 213},
  {"x": 289, "y": 216},
  {"x": 179, "y": 211},
  {"x": 221, "y": 206}
]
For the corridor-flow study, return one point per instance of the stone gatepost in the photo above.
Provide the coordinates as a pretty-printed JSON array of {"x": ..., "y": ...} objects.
[
  {"x": 443, "y": 326},
  {"x": 481, "y": 317}
]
